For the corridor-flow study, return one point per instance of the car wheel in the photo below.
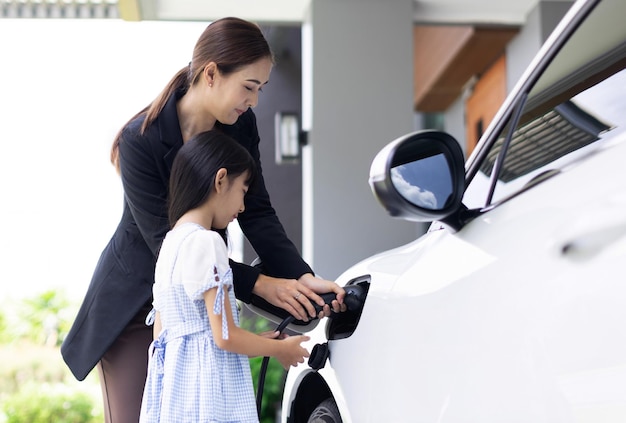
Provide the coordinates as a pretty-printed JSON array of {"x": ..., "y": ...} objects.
[{"x": 325, "y": 412}]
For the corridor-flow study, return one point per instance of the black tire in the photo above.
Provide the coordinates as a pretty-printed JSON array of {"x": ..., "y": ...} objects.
[{"x": 325, "y": 412}]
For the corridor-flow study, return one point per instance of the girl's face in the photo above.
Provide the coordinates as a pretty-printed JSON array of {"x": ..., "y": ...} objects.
[
  {"x": 233, "y": 94},
  {"x": 231, "y": 193}
]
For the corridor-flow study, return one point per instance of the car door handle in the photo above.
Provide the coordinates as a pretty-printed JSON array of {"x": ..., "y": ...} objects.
[{"x": 592, "y": 234}]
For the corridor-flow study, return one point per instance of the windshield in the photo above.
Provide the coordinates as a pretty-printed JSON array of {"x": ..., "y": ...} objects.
[{"x": 576, "y": 106}]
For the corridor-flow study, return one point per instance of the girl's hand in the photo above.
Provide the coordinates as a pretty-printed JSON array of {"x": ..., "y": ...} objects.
[
  {"x": 291, "y": 352},
  {"x": 273, "y": 334}
]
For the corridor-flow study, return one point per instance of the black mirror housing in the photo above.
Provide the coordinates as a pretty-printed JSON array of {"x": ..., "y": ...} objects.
[{"x": 420, "y": 176}]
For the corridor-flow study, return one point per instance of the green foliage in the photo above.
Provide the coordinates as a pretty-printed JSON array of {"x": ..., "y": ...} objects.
[
  {"x": 272, "y": 388},
  {"x": 274, "y": 376},
  {"x": 44, "y": 403},
  {"x": 22, "y": 362},
  {"x": 35, "y": 384},
  {"x": 43, "y": 317},
  {"x": 4, "y": 328}
]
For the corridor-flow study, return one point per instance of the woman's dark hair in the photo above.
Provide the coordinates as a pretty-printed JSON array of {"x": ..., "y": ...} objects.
[
  {"x": 193, "y": 172},
  {"x": 231, "y": 43}
]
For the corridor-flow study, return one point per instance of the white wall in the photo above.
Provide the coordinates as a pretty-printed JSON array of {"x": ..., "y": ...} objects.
[
  {"x": 357, "y": 97},
  {"x": 454, "y": 122}
]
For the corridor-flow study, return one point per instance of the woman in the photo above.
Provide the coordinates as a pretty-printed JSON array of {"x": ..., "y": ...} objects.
[{"x": 231, "y": 63}]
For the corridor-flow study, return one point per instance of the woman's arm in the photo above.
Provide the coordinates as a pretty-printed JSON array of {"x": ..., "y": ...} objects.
[
  {"x": 285, "y": 274},
  {"x": 259, "y": 221}
]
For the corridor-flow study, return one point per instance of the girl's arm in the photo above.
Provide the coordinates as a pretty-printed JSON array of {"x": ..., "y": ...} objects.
[
  {"x": 287, "y": 351},
  {"x": 156, "y": 328}
]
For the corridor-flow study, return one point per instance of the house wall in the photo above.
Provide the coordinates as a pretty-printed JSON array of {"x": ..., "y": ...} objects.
[
  {"x": 484, "y": 101},
  {"x": 357, "y": 97},
  {"x": 283, "y": 93}
]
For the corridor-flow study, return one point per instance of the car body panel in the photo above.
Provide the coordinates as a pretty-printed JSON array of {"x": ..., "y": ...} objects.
[{"x": 561, "y": 347}]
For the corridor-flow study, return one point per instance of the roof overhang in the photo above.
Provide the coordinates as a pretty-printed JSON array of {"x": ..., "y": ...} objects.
[
  {"x": 446, "y": 57},
  {"x": 479, "y": 12},
  {"x": 454, "y": 39},
  {"x": 268, "y": 12},
  {"x": 503, "y": 12}
]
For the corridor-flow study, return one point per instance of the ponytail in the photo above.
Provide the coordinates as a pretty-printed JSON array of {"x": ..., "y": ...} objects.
[{"x": 179, "y": 81}]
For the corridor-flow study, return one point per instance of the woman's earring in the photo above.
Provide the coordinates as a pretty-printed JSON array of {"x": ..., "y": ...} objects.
[{"x": 210, "y": 84}]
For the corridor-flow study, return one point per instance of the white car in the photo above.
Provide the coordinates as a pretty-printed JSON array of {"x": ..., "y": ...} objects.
[{"x": 512, "y": 307}]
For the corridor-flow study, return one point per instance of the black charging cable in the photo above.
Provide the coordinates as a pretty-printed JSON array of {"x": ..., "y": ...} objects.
[
  {"x": 259, "y": 394},
  {"x": 354, "y": 300},
  {"x": 328, "y": 299}
]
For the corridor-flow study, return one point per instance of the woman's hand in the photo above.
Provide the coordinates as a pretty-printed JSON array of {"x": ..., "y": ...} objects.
[
  {"x": 295, "y": 296},
  {"x": 322, "y": 286}
]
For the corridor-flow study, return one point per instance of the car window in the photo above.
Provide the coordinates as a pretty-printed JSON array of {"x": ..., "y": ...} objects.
[{"x": 576, "y": 106}]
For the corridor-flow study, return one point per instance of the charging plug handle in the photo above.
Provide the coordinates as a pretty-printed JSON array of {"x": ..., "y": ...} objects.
[{"x": 355, "y": 297}]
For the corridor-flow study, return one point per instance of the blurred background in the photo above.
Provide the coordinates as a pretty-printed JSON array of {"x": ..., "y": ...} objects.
[{"x": 66, "y": 88}]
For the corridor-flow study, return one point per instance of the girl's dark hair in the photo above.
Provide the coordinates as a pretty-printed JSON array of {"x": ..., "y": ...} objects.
[
  {"x": 231, "y": 43},
  {"x": 193, "y": 172}
]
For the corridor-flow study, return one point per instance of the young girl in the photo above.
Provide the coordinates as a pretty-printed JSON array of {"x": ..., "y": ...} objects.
[{"x": 198, "y": 368}]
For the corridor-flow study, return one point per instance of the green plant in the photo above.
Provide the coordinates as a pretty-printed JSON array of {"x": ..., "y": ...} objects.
[
  {"x": 35, "y": 385},
  {"x": 5, "y": 335},
  {"x": 274, "y": 376},
  {"x": 42, "y": 315},
  {"x": 272, "y": 389},
  {"x": 23, "y": 361},
  {"x": 45, "y": 403}
]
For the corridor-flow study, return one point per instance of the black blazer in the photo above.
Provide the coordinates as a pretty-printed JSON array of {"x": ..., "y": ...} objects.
[{"x": 122, "y": 281}]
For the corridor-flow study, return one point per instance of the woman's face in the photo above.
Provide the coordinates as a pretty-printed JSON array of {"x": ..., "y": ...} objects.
[{"x": 233, "y": 94}]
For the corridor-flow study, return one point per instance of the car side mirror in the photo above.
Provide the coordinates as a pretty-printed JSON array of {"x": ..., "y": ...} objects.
[{"x": 419, "y": 176}]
